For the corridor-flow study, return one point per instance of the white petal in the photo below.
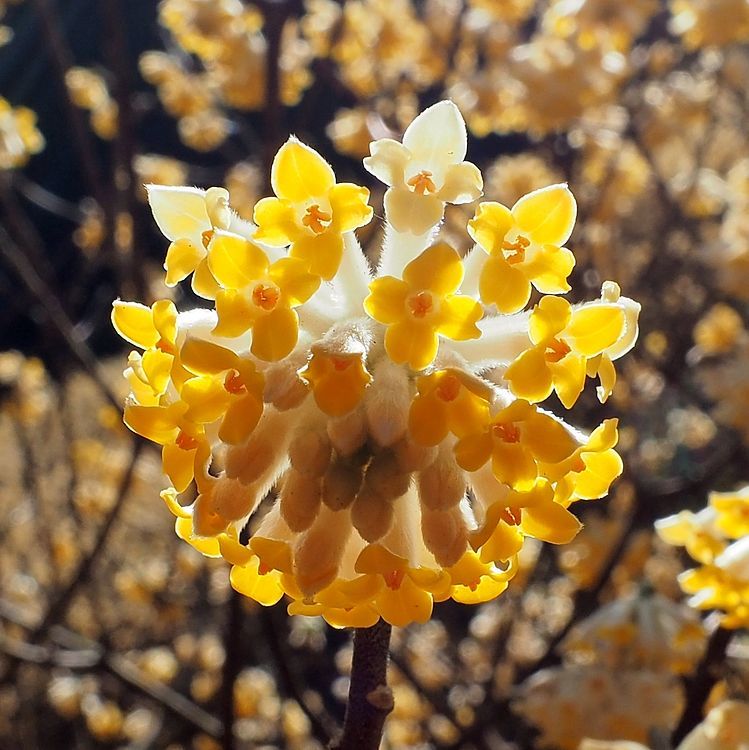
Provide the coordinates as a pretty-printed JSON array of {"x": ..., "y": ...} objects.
[
  {"x": 180, "y": 212},
  {"x": 387, "y": 161},
  {"x": 437, "y": 136}
]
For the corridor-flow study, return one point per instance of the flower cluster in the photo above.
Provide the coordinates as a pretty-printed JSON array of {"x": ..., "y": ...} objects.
[
  {"x": 718, "y": 539},
  {"x": 19, "y": 137},
  {"x": 396, "y": 414}
]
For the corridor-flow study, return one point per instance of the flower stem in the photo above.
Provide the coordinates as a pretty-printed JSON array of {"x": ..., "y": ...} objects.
[{"x": 370, "y": 699}]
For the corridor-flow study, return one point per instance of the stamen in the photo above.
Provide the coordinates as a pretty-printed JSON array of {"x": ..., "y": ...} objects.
[
  {"x": 420, "y": 304},
  {"x": 186, "y": 442},
  {"x": 262, "y": 569},
  {"x": 422, "y": 183},
  {"x": 341, "y": 363},
  {"x": 394, "y": 579},
  {"x": 507, "y": 432},
  {"x": 233, "y": 383},
  {"x": 207, "y": 237},
  {"x": 265, "y": 296},
  {"x": 316, "y": 219},
  {"x": 449, "y": 388},
  {"x": 516, "y": 250},
  {"x": 578, "y": 464},
  {"x": 556, "y": 350},
  {"x": 166, "y": 346}
]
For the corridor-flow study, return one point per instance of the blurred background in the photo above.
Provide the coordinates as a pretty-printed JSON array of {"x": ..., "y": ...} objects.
[{"x": 114, "y": 633}]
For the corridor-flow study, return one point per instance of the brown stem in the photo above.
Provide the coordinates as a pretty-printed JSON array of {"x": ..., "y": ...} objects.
[{"x": 370, "y": 699}]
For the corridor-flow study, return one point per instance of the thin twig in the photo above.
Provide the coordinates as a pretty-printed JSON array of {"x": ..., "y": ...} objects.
[{"x": 370, "y": 700}]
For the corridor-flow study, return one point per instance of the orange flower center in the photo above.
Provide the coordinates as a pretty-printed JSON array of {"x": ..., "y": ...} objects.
[
  {"x": 507, "y": 432},
  {"x": 556, "y": 350},
  {"x": 341, "y": 363},
  {"x": 265, "y": 296},
  {"x": 516, "y": 250},
  {"x": 316, "y": 219},
  {"x": 166, "y": 346},
  {"x": 578, "y": 464},
  {"x": 421, "y": 304},
  {"x": 234, "y": 384},
  {"x": 262, "y": 568},
  {"x": 207, "y": 237},
  {"x": 186, "y": 442},
  {"x": 394, "y": 579},
  {"x": 449, "y": 388},
  {"x": 422, "y": 183},
  {"x": 511, "y": 516}
]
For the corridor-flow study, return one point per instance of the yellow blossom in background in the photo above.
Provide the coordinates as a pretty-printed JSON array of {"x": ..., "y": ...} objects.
[
  {"x": 19, "y": 137},
  {"x": 376, "y": 404}
]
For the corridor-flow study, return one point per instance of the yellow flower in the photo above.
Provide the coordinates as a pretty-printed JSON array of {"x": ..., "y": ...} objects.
[
  {"x": 311, "y": 212},
  {"x": 337, "y": 380},
  {"x": 524, "y": 246},
  {"x": 696, "y": 532},
  {"x": 448, "y": 401},
  {"x": 188, "y": 217},
  {"x": 422, "y": 306},
  {"x": 517, "y": 439},
  {"x": 426, "y": 170},
  {"x": 259, "y": 295},
  {"x": 732, "y": 512},
  {"x": 568, "y": 344}
]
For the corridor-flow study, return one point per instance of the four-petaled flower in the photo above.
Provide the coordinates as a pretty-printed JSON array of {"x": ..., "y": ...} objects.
[{"x": 311, "y": 211}]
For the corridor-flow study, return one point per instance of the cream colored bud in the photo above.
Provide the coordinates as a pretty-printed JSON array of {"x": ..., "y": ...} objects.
[
  {"x": 387, "y": 402},
  {"x": 299, "y": 500},
  {"x": 413, "y": 457},
  {"x": 217, "y": 205},
  {"x": 445, "y": 534},
  {"x": 232, "y": 499},
  {"x": 384, "y": 476},
  {"x": 442, "y": 485},
  {"x": 264, "y": 449},
  {"x": 341, "y": 484},
  {"x": 318, "y": 553},
  {"x": 372, "y": 515},
  {"x": 348, "y": 433},
  {"x": 309, "y": 453}
]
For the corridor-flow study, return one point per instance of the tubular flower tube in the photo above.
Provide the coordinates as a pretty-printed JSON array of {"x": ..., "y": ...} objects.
[{"x": 404, "y": 474}]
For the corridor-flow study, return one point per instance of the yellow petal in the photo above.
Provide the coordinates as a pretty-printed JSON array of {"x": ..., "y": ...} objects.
[
  {"x": 182, "y": 259},
  {"x": 607, "y": 376},
  {"x": 550, "y": 523},
  {"x": 321, "y": 253},
  {"x": 513, "y": 465},
  {"x": 274, "y": 335},
  {"x": 206, "y": 398},
  {"x": 473, "y": 451},
  {"x": 178, "y": 465},
  {"x": 234, "y": 261},
  {"x": 549, "y": 318},
  {"x": 157, "y": 366},
  {"x": 156, "y": 423},
  {"x": 234, "y": 552},
  {"x": 549, "y": 268},
  {"x": 206, "y": 358},
  {"x": 203, "y": 282},
  {"x": 529, "y": 376},
  {"x": 601, "y": 469},
  {"x": 235, "y": 314},
  {"x": 411, "y": 343},
  {"x": 361, "y": 616},
  {"x": 184, "y": 530},
  {"x": 299, "y": 173},
  {"x": 437, "y": 136},
  {"x": 348, "y": 204},
  {"x": 134, "y": 322},
  {"x": 297, "y": 285},
  {"x": 569, "y": 378},
  {"x": 242, "y": 416},
  {"x": 165, "y": 319},
  {"x": 503, "y": 285},
  {"x": 548, "y": 439},
  {"x": 276, "y": 222},
  {"x": 180, "y": 212},
  {"x": 169, "y": 496},
  {"x": 592, "y": 329},
  {"x": 386, "y": 302},
  {"x": 546, "y": 216},
  {"x": 404, "y": 605},
  {"x": 338, "y": 381},
  {"x": 490, "y": 226},
  {"x": 438, "y": 269},
  {"x": 458, "y": 317},
  {"x": 264, "y": 589},
  {"x": 427, "y": 420},
  {"x": 504, "y": 542}
]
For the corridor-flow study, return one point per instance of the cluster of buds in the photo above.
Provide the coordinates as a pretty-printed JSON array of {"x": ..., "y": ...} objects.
[{"x": 396, "y": 413}]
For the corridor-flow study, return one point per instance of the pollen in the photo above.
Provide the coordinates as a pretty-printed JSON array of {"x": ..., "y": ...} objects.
[
  {"x": 516, "y": 250},
  {"x": 556, "y": 350},
  {"x": 421, "y": 304},
  {"x": 422, "y": 183},
  {"x": 507, "y": 432},
  {"x": 265, "y": 296},
  {"x": 234, "y": 384},
  {"x": 186, "y": 442},
  {"x": 316, "y": 219}
]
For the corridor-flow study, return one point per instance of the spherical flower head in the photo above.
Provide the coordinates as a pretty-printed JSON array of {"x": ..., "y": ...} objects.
[
  {"x": 311, "y": 211},
  {"x": 524, "y": 246},
  {"x": 423, "y": 305},
  {"x": 427, "y": 170},
  {"x": 375, "y": 404}
]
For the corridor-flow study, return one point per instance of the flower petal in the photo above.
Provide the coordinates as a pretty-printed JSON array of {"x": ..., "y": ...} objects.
[
  {"x": 387, "y": 161},
  {"x": 411, "y": 212},
  {"x": 235, "y": 314},
  {"x": 463, "y": 183},
  {"x": 490, "y": 225},
  {"x": 234, "y": 261},
  {"x": 411, "y": 343},
  {"x": 549, "y": 318},
  {"x": 180, "y": 212},
  {"x": 178, "y": 465},
  {"x": 321, "y": 253},
  {"x": 503, "y": 285},
  {"x": 594, "y": 328},
  {"x": 569, "y": 378},
  {"x": 182, "y": 259},
  {"x": 276, "y": 222},
  {"x": 134, "y": 322},
  {"x": 274, "y": 335},
  {"x": 437, "y": 136},
  {"x": 299, "y": 173},
  {"x": 242, "y": 416},
  {"x": 438, "y": 269},
  {"x": 386, "y": 302},
  {"x": 294, "y": 281},
  {"x": 550, "y": 522},
  {"x": 458, "y": 317},
  {"x": 348, "y": 204},
  {"x": 546, "y": 216},
  {"x": 529, "y": 376}
]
